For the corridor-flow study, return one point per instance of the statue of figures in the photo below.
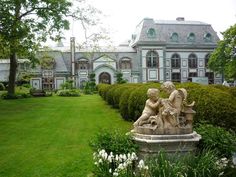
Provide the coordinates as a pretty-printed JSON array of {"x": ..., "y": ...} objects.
[
  {"x": 151, "y": 107},
  {"x": 171, "y": 115}
]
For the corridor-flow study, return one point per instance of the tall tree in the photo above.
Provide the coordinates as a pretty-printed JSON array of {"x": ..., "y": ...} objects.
[
  {"x": 223, "y": 59},
  {"x": 24, "y": 24}
]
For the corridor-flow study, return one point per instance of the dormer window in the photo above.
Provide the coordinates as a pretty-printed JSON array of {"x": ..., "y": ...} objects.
[
  {"x": 191, "y": 37},
  {"x": 82, "y": 64},
  {"x": 151, "y": 33},
  {"x": 207, "y": 37},
  {"x": 174, "y": 37}
]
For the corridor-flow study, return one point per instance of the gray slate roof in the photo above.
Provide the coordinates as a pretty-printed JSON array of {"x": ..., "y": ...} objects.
[{"x": 165, "y": 28}]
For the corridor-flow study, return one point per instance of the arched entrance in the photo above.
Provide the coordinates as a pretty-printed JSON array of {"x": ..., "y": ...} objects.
[{"x": 105, "y": 78}]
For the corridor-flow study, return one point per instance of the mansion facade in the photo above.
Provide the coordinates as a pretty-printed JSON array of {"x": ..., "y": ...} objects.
[{"x": 158, "y": 51}]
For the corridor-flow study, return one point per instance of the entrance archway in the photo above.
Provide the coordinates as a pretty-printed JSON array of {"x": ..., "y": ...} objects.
[{"x": 105, "y": 78}]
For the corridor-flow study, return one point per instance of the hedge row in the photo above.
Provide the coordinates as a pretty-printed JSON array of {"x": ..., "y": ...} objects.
[{"x": 214, "y": 104}]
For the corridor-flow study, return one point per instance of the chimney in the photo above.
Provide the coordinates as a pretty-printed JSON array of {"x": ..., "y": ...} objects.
[
  {"x": 180, "y": 18},
  {"x": 72, "y": 51}
]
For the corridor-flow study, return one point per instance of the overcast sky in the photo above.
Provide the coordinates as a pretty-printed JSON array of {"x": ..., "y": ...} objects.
[{"x": 122, "y": 16}]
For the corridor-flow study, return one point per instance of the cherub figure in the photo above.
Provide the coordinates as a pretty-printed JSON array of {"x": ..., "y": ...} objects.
[
  {"x": 173, "y": 105},
  {"x": 151, "y": 107}
]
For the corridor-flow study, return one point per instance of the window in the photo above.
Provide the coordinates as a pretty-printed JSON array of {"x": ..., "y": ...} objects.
[
  {"x": 210, "y": 76},
  {"x": 191, "y": 37},
  {"x": 208, "y": 37},
  {"x": 207, "y": 60},
  {"x": 175, "y": 61},
  {"x": 175, "y": 77},
  {"x": 151, "y": 33},
  {"x": 48, "y": 83},
  {"x": 192, "y": 61},
  {"x": 152, "y": 59},
  {"x": 82, "y": 64},
  {"x": 125, "y": 63},
  {"x": 174, "y": 37},
  {"x": 192, "y": 74}
]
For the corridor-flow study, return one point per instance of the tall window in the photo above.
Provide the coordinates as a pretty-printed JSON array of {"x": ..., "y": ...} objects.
[
  {"x": 192, "y": 61},
  {"x": 207, "y": 60},
  {"x": 152, "y": 59},
  {"x": 175, "y": 61},
  {"x": 210, "y": 76},
  {"x": 125, "y": 63}
]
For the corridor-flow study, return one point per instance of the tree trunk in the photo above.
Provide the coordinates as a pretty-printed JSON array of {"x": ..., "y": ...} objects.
[{"x": 12, "y": 74}]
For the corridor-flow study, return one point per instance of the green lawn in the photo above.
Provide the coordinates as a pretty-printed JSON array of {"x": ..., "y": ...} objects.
[{"x": 50, "y": 136}]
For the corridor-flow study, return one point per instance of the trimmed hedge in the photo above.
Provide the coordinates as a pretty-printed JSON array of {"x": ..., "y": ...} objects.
[
  {"x": 123, "y": 105},
  {"x": 102, "y": 89},
  {"x": 68, "y": 93},
  {"x": 216, "y": 106},
  {"x": 213, "y": 104}
]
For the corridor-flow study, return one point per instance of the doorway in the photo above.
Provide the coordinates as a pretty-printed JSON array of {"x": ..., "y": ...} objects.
[{"x": 105, "y": 78}]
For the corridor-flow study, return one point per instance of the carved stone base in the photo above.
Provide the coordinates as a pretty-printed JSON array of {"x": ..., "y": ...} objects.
[
  {"x": 150, "y": 145},
  {"x": 148, "y": 129}
]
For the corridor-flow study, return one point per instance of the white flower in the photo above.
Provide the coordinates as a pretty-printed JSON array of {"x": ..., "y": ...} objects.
[
  {"x": 121, "y": 166},
  {"x": 115, "y": 174},
  {"x": 141, "y": 165},
  {"x": 117, "y": 157},
  {"x": 109, "y": 159},
  {"x": 110, "y": 170},
  {"x": 100, "y": 161}
]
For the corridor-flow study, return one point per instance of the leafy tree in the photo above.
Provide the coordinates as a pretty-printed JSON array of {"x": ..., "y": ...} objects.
[
  {"x": 24, "y": 24},
  {"x": 223, "y": 59}
]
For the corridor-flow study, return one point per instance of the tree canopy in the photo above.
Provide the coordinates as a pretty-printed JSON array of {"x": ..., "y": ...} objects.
[
  {"x": 223, "y": 59},
  {"x": 24, "y": 24}
]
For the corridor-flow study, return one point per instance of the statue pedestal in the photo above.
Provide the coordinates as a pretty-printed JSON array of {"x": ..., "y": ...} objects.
[{"x": 150, "y": 145}]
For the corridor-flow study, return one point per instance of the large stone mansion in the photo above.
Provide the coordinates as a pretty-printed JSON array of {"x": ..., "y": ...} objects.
[{"x": 158, "y": 51}]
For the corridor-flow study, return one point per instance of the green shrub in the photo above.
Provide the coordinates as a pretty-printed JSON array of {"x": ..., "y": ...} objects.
[
  {"x": 230, "y": 90},
  {"x": 123, "y": 105},
  {"x": 201, "y": 165},
  {"x": 2, "y": 87},
  {"x": 6, "y": 96},
  {"x": 69, "y": 84},
  {"x": 37, "y": 92},
  {"x": 87, "y": 89},
  {"x": 115, "y": 142},
  {"x": 215, "y": 106},
  {"x": 119, "y": 78},
  {"x": 109, "y": 94},
  {"x": 102, "y": 89},
  {"x": 69, "y": 93},
  {"x": 217, "y": 139},
  {"x": 117, "y": 93}
]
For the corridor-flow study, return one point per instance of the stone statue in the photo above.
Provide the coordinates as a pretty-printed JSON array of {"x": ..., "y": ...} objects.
[
  {"x": 151, "y": 107},
  {"x": 166, "y": 116}
]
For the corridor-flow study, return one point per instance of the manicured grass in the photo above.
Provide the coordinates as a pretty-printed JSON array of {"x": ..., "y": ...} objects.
[{"x": 50, "y": 136}]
